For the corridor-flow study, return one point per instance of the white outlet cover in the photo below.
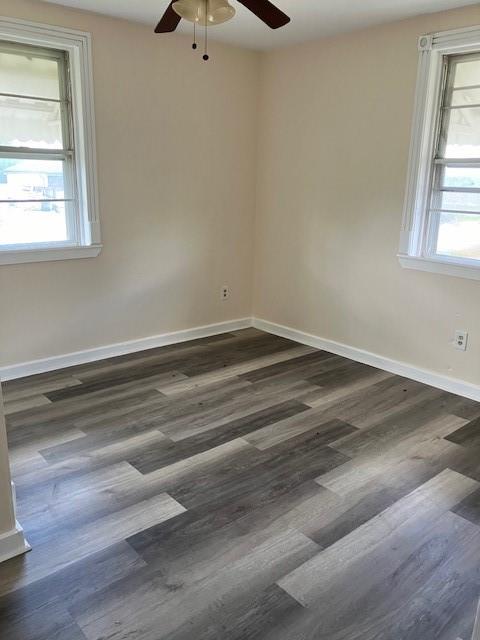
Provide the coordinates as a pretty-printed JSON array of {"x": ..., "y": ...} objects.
[{"x": 460, "y": 341}]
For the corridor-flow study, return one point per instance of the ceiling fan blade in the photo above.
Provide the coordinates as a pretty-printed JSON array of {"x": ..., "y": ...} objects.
[
  {"x": 169, "y": 21},
  {"x": 268, "y": 12}
]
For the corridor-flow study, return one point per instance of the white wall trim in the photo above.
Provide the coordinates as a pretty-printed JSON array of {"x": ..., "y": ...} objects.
[
  {"x": 453, "y": 385},
  {"x": 43, "y": 365},
  {"x": 446, "y": 267},
  {"x": 13, "y": 543},
  {"x": 49, "y": 255},
  {"x": 416, "y": 251},
  {"x": 476, "y": 626},
  {"x": 78, "y": 44}
]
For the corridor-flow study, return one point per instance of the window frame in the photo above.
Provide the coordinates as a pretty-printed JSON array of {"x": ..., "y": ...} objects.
[
  {"x": 415, "y": 239},
  {"x": 77, "y": 45}
]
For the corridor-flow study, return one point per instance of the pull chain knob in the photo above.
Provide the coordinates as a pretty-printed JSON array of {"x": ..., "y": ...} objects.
[{"x": 194, "y": 45}]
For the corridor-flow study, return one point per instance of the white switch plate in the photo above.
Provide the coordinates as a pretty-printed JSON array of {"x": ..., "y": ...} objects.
[{"x": 461, "y": 339}]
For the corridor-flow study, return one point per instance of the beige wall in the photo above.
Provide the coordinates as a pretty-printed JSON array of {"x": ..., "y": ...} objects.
[
  {"x": 177, "y": 151},
  {"x": 335, "y": 129},
  {"x": 176, "y": 148},
  {"x": 177, "y": 144}
]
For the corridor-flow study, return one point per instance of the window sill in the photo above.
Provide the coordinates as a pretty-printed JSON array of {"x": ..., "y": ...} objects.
[
  {"x": 47, "y": 255},
  {"x": 445, "y": 267}
]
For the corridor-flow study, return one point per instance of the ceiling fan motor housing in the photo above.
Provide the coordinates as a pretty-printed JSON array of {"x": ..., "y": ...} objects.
[{"x": 204, "y": 12}]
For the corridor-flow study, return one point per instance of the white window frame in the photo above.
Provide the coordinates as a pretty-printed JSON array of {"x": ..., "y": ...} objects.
[
  {"x": 79, "y": 48},
  {"x": 429, "y": 92}
]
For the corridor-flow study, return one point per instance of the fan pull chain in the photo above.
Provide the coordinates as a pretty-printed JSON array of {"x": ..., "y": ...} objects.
[
  {"x": 205, "y": 55},
  {"x": 194, "y": 45}
]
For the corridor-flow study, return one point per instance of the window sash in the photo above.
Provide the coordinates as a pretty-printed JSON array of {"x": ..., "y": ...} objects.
[
  {"x": 78, "y": 47},
  {"x": 429, "y": 241},
  {"x": 66, "y": 155},
  {"x": 65, "y": 93},
  {"x": 433, "y": 49}
]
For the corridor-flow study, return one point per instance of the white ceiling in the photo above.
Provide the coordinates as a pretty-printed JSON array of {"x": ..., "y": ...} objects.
[{"x": 311, "y": 19}]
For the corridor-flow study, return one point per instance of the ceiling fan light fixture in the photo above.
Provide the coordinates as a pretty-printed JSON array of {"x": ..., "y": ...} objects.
[{"x": 204, "y": 12}]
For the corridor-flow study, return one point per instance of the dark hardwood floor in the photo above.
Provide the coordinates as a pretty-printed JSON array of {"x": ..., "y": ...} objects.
[{"x": 241, "y": 487}]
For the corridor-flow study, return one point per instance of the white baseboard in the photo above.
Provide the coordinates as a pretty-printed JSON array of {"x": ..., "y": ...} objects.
[
  {"x": 453, "y": 385},
  {"x": 476, "y": 627},
  {"x": 23, "y": 369},
  {"x": 13, "y": 543}
]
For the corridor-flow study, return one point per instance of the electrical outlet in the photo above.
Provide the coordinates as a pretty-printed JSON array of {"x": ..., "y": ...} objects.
[
  {"x": 225, "y": 294},
  {"x": 460, "y": 341}
]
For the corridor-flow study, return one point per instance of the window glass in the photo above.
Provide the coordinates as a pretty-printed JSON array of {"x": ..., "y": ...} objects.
[
  {"x": 37, "y": 204},
  {"x": 26, "y": 72},
  {"x": 30, "y": 123},
  {"x": 454, "y": 227},
  {"x": 458, "y": 236},
  {"x": 33, "y": 223}
]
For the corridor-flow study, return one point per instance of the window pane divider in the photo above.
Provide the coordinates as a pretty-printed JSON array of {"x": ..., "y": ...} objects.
[
  {"x": 28, "y": 97},
  {"x": 458, "y": 162},
  {"x": 35, "y": 154},
  {"x": 456, "y": 211},
  {"x": 458, "y": 189},
  {"x": 38, "y": 200},
  {"x": 34, "y": 50},
  {"x": 466, "y": 88},
  {"x": 451, "y": 107}
]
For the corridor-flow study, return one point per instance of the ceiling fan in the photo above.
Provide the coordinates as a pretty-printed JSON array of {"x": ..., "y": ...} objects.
[{"x": 208, "y": 13}]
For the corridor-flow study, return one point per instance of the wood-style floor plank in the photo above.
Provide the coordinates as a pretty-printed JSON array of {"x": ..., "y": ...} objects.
[
  {"x": 468, "y": 435},
  {"x": 78, "y": 543},
  {"x": 13, "y": 406},
  {"x": 75, "y": 583},
  {"x": 162, "y": 613},
  {"x": 241, "y": 487},
  {"x": 161, "y": 456}
]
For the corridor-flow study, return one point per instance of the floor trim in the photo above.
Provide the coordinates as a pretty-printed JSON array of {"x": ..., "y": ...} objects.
[
  {"x": 43, "y": 365},
  {"x": 13, "y": 543},
  {"x": 453, "y": 385},
  {"x": 476, "y": 628}
]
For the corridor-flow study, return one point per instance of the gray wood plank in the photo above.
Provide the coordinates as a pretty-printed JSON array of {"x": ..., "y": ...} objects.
[{"x": 168, "y": 494}]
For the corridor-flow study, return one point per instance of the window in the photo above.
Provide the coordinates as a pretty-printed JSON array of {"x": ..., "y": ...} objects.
[
  {"x": 441, "y": 229},
  {"x": 48, "y": 203}
]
